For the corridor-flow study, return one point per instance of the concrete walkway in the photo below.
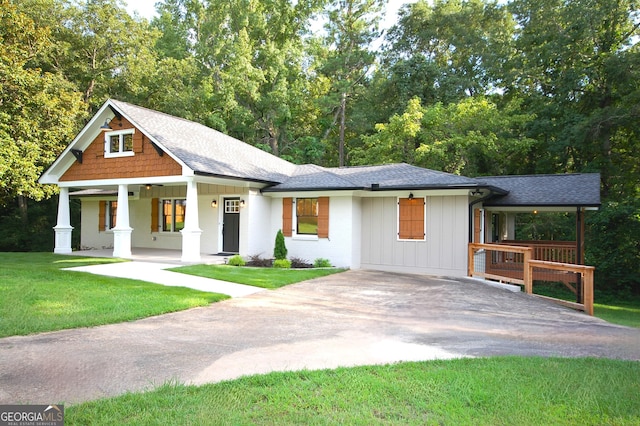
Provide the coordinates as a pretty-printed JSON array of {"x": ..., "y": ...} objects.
[{"x": 156, "y": 273}]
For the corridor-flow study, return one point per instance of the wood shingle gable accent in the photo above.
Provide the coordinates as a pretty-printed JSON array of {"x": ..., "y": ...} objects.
[{"x": 144, "y": 163}]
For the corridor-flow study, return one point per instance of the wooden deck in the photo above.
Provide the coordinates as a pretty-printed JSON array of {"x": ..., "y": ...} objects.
[{"x": 517, "y": 263}]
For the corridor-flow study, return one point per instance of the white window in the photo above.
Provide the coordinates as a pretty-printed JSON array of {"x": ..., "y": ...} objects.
[
  {"x": 119, "y": 143},
  {"x": 232, "y": 206},
  {"x": 173, "y": 215},
  {"x": 307, "y": 216}
]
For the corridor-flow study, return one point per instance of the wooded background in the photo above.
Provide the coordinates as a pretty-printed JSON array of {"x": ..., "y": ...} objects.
[{"x": 470, "y": 87}]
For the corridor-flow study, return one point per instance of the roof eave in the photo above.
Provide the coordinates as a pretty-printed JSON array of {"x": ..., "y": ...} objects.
[{"x": 241, "y": 178}]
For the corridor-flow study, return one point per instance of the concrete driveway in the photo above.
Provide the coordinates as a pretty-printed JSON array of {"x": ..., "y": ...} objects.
[{"x": 354, "y": 318}]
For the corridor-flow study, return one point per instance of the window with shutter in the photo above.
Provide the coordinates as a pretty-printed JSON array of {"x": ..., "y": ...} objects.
[{"x": 411, "y": 218}]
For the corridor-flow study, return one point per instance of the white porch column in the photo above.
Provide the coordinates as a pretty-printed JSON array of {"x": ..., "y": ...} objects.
[
  {"x": 122, "y": 231},
  {"x": 191, "y": 231},
  {"x": 63, "y": 227}
]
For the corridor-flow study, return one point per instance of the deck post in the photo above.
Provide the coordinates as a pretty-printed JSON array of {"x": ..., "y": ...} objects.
[
  {"x": 579, "y": 252},
  {"x": 528, "y": 272}
]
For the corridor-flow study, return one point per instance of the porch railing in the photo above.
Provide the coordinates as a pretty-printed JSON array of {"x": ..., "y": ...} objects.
[
  {"x": 515, "y": 264},
  {"x": 550, "y": 251}
]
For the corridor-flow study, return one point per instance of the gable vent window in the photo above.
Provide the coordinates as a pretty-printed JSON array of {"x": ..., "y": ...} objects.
[{"x": 119, "y": 143}]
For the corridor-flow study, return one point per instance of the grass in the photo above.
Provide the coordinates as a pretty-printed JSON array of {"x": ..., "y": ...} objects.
[
  {"x": 616, "y": 311},
  {"x": 37, "y": 296},
  {"x": 481, "y": 391},
  {"x": 259, "y": 277}
]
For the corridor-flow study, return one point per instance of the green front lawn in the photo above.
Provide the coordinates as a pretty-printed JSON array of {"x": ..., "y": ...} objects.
[
  {"x": 259, "y": 277},
  {"x": 617, "y": 311},
  {"x": 37, "y": 296},
  {"x": 481, "y": 391}
]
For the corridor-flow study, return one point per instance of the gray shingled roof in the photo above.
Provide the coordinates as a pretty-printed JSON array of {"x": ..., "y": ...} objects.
[
  {"x": 388, "y": 176},
  {"x": 580, "y": 189},
  {"x": 207, "y": 151}
]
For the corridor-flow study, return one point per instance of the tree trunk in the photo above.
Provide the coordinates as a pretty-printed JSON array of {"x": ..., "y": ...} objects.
[
  {"x": 343, "y": 107},
  {"x": 22, "y": 209}
]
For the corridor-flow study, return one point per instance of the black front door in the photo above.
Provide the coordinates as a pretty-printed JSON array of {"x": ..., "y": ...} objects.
[{"x": 231, "y": 225}]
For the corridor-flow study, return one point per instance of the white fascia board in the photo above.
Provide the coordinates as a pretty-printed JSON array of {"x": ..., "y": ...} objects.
[
  {"x": 403, "y": 193},
  {"x": 310, "y": 194},
  {"x": 531, "y": 209},
  {"x": 65, "y": 159},
  {"x": 109, "y": 183},
  {"x": 369, "y": 194}
]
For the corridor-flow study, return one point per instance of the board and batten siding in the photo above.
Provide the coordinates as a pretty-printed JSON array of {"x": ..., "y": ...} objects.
[{"x": 443, "y": 252}]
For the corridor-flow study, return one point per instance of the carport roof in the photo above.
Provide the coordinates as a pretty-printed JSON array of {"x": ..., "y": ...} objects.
[{"x": 578, "y": 189}]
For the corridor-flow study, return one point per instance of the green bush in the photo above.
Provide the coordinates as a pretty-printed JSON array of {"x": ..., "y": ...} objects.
[
  {"x": 282, "y": 263},
  {"x": 280, "y": 250},
  {"x": 237, "y": 260},
  {"x": 321, "y": 263}
]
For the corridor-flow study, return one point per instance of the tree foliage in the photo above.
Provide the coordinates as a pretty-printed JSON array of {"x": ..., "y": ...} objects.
[
  {"x": 38, "y": 109},
  {"x": 476, "y": 87}
]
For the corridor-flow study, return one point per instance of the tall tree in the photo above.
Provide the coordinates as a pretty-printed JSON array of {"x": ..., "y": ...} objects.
[
  {"x": 352, "y": 26},
  {"x": 96, "y": 44},
  {"x": 38, "y": 109},
  {"x": 577, "y": 63},
  {"x": 450, "y": 48},
  {"x": 472, "y": 137}
]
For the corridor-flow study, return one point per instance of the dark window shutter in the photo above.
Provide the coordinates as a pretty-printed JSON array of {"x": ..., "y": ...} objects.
[
  {"x": 287, "y": 212},
  {"x": 102, "y": 216},
  {"x": 323, "y": 217},
  {"x": 155, "y": 213}
]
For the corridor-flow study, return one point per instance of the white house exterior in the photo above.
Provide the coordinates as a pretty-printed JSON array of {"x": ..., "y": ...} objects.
[{"x": 149, "y": 180}]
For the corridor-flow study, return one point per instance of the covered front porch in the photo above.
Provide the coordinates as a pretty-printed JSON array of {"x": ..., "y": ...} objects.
[{"x": 187, "y": 221}]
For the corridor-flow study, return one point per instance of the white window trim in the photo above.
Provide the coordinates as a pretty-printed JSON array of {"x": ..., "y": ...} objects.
[
  {"x": 173, "y": 231},
  {"x": 424, "y": 219},
  {"x": 107, "y": 143},
  {"x": 294, "y": 223}
]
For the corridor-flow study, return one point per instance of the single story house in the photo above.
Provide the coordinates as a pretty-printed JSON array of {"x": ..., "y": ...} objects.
[{"x": 150, "y": 180}]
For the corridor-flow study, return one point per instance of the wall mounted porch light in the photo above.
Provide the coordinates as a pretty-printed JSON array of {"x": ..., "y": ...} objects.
[
  {"x": 411, "y": 195},
  {"x": 242, "y": 203},
  {"x": 214, "y": 204}
]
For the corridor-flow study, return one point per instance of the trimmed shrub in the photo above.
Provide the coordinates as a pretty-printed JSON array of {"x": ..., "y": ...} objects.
[
  {"x": 282, "y": 263},
  {"x": 236, "y": 260},
  {"x": 321, "y": 263},
  {"x": 258, "y": 261},
  {"x": 280, "y": 250},
  {"x": 299, "y": 263}
]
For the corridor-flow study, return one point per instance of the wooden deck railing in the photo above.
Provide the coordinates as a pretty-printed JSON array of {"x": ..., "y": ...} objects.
[
  {"x": 550, "y": 251},
  {"x": 515, "y": 264}
]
